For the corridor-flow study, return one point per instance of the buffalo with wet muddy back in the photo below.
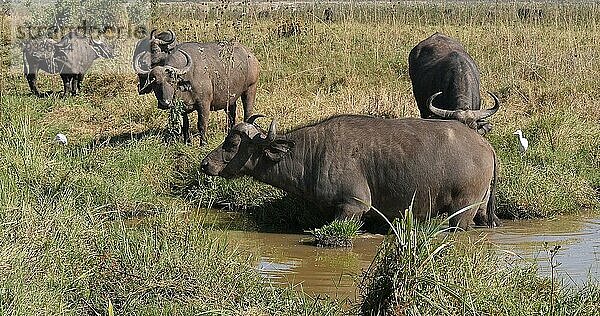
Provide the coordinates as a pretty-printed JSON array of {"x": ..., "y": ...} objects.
[
  {"x": 440, "y": 67},
  {"x": 205, "y": 77},
  {"x": 348, "y": 162}
]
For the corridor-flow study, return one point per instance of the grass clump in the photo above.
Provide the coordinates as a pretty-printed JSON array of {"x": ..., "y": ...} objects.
[
  {"x": 339, "y": 233},
  {"x": 421, "y": 270},
  {"x": 175, "y": 123},
  {"x": 165, "y": 265}
]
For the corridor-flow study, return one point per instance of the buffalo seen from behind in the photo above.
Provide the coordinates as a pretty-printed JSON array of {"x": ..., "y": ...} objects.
[
  {"x": 205, "y": 77},
  {"x": 446, "y": 83},
  {"x": 348, "y": 162},
  {"x": 71, "y": 57}
]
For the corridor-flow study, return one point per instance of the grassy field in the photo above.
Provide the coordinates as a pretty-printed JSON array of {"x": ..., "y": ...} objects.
[{"x": 67, "y": 238}]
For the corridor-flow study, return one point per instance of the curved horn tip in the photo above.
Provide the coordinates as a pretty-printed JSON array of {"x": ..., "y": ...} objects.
[
  {"x": 272, "y": 131},
  {"x": 253, "y": 118},
  {"x": 188, "y": 63},
  {"x": 496, "y": 100},
  {"x": 172, "y": 36},
  {"x": 481, "y": 114},
  {"x": 136, "y": 64},
  {"x": 430, "y": 99},
  {"x": 439, "y": 112},
  {"x": 152, "y": 33}
]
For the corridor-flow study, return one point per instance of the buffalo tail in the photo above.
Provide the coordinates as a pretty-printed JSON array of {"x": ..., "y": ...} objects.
[{"x": 492, "y": 219}]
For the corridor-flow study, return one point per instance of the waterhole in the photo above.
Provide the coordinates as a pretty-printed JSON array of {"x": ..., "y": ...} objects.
[{"x": 286, "y": 259}]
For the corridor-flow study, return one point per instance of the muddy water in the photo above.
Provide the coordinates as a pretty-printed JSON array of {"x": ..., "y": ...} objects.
[
  {"x": 578, "y": 258},
  {"x": 285, "y": 259}
]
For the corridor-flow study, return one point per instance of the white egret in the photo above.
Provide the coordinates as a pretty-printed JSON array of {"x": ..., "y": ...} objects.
[
  {"x": 61, "y": 139},
  {"x": 523, "y": 143}
]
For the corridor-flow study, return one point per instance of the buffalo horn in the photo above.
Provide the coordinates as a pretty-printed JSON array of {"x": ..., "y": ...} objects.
[
  {"x": 152, "y": 34},
  {"x": 481, "y": 114},
  {"x": 94, "y": 41},
  {"x": 253, "y": 118},
  {"x": 439, "y": 112},
  {"x": 136, "y": 64},
  {"x": 272, "y": 131},
  {"x": 188, "y": 63},
  {"x": 161, "y": 42},
  {"x": 172, "y": 38}
]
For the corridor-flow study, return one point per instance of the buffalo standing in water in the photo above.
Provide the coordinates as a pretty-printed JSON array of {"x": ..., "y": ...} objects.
[
  {"x": 446, "y": 82},
  {"x": 383, "y": 162},
  {"x": 206, "y": 77},
  {"x": 71, "y": 57}
]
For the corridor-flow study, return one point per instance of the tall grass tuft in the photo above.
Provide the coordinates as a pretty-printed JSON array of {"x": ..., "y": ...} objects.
[
  {"x": 401, "y": 279},
  {"x": 422, "y": 270}
]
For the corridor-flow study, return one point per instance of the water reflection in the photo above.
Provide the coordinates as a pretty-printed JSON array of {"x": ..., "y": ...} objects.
[
  {"x": 578, "y": 236},
  {"x": 285, "y": 259}
]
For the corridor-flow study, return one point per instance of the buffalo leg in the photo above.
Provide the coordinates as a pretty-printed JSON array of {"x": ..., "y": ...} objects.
[
  {"x": 248, "y": 98},
  {"x": 464, "y": 219},
  {"x": 31, "y": 80},
  {"x": 77, "y": 83},
  {"x": 66, "y": 78},
  {"x": 352, "y": 209},
  {"x": 73, "y": 85},
  {"x": 482, "y": 217},
  {"x": 231, "y": 114},
  {"x": 203, "y": 114},
  {"x": 185, "y": 128}
]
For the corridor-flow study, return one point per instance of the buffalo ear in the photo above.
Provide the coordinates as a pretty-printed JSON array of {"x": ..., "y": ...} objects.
[
  {"x": 184, "y": 85},
  {"x": 277, "y": 149}
]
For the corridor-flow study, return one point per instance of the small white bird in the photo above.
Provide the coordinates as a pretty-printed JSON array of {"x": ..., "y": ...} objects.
[
  {"x": 523, "y": 143},
  {"x": 61, "y": 139}
]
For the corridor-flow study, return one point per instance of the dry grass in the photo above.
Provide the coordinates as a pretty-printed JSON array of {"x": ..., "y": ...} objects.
[{"x": 117, "y": 166}]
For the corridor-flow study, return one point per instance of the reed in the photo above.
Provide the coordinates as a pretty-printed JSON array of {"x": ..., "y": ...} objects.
[
  {"x": 421, "y": 269},
  {"x": 68, "y": 237}
]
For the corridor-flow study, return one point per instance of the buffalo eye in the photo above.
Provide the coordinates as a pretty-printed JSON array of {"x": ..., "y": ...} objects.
[
  {"x": 230, "y": 148},
  {"x": 231, "y": 143},
  {"x": 184, "y": 86},
  {"x": 171, "y": 74}
]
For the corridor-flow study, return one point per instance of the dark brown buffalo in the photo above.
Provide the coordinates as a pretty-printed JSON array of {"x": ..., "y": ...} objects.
[
  {"x": 347, "y": 159},
  {"x": 530, "y": 14},
  {"x": 71, "y": 57},
  {"x": 441, "y": 64},
  {"x": 159, "y": 45},
  {"x": 206, "y": 77}
]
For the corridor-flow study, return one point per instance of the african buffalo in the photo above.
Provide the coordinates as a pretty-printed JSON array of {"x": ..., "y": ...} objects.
[
  {"x": 530, "y": 14},
  {"x": 328, "y": 15},
  {"x": 205, "y": 76},
  {"x": 441, "y": 64},
  {"x": 71, "y": 57},
  {"x": 162, "y": 44},
  {"x": 383, "y": 162}
]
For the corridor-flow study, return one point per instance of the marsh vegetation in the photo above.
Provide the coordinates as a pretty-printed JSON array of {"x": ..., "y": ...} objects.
[{"x": 67, "y": 243}]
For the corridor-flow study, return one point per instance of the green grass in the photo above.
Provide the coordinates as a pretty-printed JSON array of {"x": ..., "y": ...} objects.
[
  {"x": 339, "y": 233},
  {"x": 68, "y": 235},
  {"x": 420, "y": 270}
]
